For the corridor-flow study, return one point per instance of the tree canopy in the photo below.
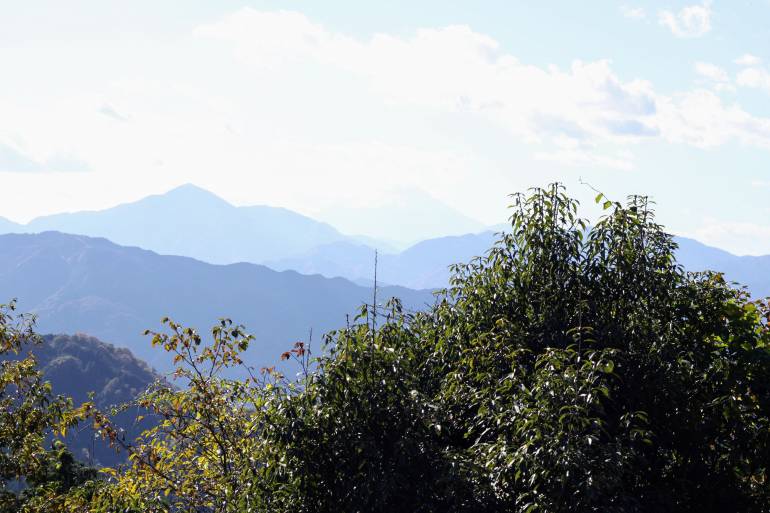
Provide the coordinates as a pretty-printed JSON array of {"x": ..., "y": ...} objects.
[{"x": 574, "y": 367}]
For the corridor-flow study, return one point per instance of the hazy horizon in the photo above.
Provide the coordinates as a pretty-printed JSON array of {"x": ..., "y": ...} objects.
[{"x": 352, "y": 108}]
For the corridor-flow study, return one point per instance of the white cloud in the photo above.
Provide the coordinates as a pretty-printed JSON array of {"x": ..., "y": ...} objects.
[
  {"x": 715, "y": 76},
  {"x": 458, "y": 70},
  {"x": 757, "y": 78},
  {"x": 273, "y": 107},
  {"x": 748, "y": 60},
  {"x": 711, "y": 71},
  {"x": 700, "y": 118},
  {"x": 636, "y": 13},
  {"x": 691, "y": 21},
  {"x": 752, "y": 74}
]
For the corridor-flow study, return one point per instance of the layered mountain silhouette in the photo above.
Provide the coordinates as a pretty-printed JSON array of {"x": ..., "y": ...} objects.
[
  {"x": 426, "y": 264},
  {"x": 193, "y": 222},
  {"x": 75, "y": 283}
]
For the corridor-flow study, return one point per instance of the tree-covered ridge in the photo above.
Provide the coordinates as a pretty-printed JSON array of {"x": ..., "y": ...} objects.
[
  {"x": 567, "y": 369},
  {"x": 84, "y": 368}
]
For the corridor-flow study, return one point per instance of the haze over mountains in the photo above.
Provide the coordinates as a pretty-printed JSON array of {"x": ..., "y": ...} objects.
[
  {"x": 424, "y": 265},
  {"x": 190, "y": 221},
  {"x": 193, "y": 222},
  {"x": 428, "y": 218},
  {"x": 76, "y": 283},
  {"x": 750, "y": 271}
]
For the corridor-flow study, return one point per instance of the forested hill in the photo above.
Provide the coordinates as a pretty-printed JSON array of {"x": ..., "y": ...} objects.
[
  {"x": 81, "y": 284},
  {"x": 77, "y": 365}
]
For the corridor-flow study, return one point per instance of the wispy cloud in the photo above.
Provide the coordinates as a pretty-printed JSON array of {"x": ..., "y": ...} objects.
[
  {"x": 748, "y": 60},
  {"x": 13, "y": 160},
  {"x": 711, "y": 71},
  {"x": 109, "y": 111},
  {"x": 455, "y": 68},
  {"x": 636, "y": 13},
  {"x": 714, "y": 76},
  {"x": 691, "y": 21}
]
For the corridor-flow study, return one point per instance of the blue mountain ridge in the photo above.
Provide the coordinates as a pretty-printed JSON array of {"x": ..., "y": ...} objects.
[
  {"x": 193, "y": 222},
  {"x": 190, "y": 221},
  {"x": 75, "y": 283}
]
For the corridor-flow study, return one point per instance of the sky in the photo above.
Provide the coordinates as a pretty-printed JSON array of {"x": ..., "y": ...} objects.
[{"x": 329, "y": 108}]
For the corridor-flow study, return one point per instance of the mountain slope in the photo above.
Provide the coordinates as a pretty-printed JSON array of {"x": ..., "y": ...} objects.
[
  {"x": 424, "y": 265},
  {"x": 7, "y": 226},
  {"x": 193, "y": 222},
  {"x": 76, "y": 365},
  {"x": 81, "y": 284},
  {"x": 751, "y": 271}
]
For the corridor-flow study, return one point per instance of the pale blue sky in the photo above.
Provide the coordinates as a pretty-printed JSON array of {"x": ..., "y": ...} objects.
[{"x": 313, "y": 105}]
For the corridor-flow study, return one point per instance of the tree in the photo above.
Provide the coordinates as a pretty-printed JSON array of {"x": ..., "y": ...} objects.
[
  {"x": 33, "y": 478},
  {"x": 574, "y": 367},
  {"x": 588, "y": 372}
]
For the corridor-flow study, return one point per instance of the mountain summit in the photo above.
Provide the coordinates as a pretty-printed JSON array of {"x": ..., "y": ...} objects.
[{"x": 191, "y": 221}]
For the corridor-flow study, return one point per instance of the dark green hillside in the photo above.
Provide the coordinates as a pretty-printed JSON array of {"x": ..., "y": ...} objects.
[{"x": 79, "y": 365}]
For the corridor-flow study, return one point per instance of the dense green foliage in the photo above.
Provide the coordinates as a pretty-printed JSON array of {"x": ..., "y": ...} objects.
[{"x": 568, "y": 369}]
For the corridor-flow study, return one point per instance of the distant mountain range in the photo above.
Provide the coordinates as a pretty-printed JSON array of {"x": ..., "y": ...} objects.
[
  {"x": 424, "y": 265},
  {"x": 750, "y": 271},
  {"x": 193, "y": 222},
  {"x": 7, "y": 226},
  {"x": 190, "y": 221},
  {"x": 81, "y": 284}
]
